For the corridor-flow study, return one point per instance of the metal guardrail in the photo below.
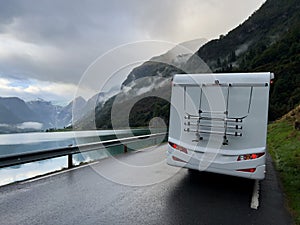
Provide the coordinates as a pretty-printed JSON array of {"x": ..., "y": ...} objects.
[{"x": 26, "y": 157}]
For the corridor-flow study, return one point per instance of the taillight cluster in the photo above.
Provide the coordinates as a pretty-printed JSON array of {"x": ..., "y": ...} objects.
[
  {"x": 178, "y": 147},
  {"x": 250, "y": 156},
  {"x": 251, "y": 170}
]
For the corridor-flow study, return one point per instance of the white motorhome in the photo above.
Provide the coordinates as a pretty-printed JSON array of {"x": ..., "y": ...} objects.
[{"x": 218, "y": 123}]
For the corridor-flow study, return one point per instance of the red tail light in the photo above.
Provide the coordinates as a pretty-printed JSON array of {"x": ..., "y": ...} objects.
[
  {"x": 251, "y": 170},
  {"x": 250, "y": 156},
  {"x": 178, "y": 147},
  {"x": 177, "y": 159}
]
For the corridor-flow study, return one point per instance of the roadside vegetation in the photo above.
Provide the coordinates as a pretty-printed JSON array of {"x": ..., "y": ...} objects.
[
  {"x": 284, "y": 147},
  {"x": 69, "y": 128}
]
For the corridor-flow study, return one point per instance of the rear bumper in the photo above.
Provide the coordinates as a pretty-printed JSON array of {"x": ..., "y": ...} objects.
[{"x": 217, "y": 163}]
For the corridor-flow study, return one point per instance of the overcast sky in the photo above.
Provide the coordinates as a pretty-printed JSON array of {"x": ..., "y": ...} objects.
[{"x": 47, "y": 45}]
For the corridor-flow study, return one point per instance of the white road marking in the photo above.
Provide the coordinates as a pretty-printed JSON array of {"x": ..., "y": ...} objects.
[
  {"x": 57, "y": 173},
  {"x": 255, "y": 196}
]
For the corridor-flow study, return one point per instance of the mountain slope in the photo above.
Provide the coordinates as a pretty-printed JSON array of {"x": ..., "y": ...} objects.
[
  {"x": 167, "y": 64},
  {"x": 262, "y": 29},
  {"x": 283, "y": 59},
  {"x": 267, "y": 41},
  {"x": 45, "y": 112},
  {"x": 19, "y": 111},
  {"x": 7, "y": 116},
  {"x": 134, "y": 111},
  {"x": 16, "y": 115},
  {"x": 65, "y": 115},
  {"x": 148, "y": 86}
]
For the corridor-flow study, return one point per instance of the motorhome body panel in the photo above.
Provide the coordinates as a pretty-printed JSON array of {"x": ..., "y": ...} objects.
[{"x": 221, "y": 115}]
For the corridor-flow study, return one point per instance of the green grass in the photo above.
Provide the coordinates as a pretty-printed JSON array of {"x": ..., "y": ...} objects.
[{"x": 284, "y": 147}]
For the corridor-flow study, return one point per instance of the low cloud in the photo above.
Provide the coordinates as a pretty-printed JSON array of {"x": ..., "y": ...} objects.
[{"x": 30, "y": 125}]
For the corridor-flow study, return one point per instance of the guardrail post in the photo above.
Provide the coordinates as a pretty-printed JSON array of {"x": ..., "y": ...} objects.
[
  {"x": 70, "y": 161},
  {"x": 125, "y": 149}
]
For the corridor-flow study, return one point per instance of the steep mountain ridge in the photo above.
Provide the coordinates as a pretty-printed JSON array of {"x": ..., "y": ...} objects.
[
  {"x": 262, "y": 29},
  {"x": 267, "y": 41},
  {"x": 151, "y": 81},
  {"x": 65, "y": 115},
  {"x": 18, "y": 109},
  {"x": 167, "y": 64},
  {"x": 45, "y": 112}
]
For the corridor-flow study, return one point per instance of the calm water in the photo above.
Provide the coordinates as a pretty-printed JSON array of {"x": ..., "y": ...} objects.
[{"x": 29, "y": 142}]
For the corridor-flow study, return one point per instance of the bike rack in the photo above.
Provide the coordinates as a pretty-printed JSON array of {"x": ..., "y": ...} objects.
[{"x": 229, "y": 126}]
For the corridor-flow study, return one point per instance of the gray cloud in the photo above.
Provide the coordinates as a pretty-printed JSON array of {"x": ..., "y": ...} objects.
[{"x": 56, "y": 40}]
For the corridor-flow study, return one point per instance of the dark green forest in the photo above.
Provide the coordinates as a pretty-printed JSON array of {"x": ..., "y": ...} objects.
[
  {"x": 282, "y": 58},
  {"x": 269, "y": 41}
]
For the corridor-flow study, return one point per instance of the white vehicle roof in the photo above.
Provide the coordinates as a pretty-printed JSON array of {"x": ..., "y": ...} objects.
[{"x": 196, "y": 79}]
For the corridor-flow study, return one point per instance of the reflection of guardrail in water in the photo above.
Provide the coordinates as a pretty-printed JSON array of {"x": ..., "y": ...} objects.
[{"x": 27, "y": 157}]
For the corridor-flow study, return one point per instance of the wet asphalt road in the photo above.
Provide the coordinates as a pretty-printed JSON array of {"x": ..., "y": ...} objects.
[{"x": 82, "y": 196}]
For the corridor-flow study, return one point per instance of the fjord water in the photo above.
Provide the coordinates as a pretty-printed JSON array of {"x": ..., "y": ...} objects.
[{"x": 11, "y": 144}]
